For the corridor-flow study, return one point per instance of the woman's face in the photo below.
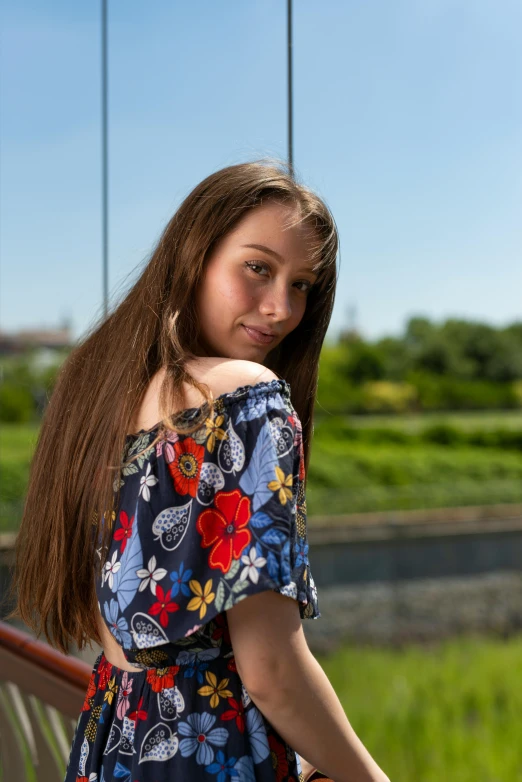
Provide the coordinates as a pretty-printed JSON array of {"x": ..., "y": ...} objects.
[{"x": 247, "y": 290}]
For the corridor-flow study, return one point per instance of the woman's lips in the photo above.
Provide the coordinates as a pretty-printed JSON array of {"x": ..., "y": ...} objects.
[{"x": 257, "y": 336}]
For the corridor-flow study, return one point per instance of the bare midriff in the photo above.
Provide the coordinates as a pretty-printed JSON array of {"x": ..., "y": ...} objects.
[{"x": 112, "y": 650}]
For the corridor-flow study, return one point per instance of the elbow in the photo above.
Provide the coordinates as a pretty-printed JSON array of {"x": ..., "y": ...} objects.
[
  {"x": 259, "y": 680},
  {"x": 272, "y": 682},
  {"x": 267, "y": 692}
]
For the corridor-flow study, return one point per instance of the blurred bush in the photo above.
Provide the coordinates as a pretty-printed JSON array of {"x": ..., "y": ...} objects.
[
  {"x": 385, "y": 396},
  {"x": 455, "y": 365},
  {"x": 16, "y": 403},
  {"x": 26, "y": 383}
]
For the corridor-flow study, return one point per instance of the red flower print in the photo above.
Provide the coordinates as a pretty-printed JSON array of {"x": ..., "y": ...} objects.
[
  {"x": 91, "y": 691},
  {"x": 236, "y": 712},
  {"x": 162, "y": 678},
  {"x": 279, "y": 761},
  {"x": 231, "y": 665},
  {"x": 125, "y": 530},
  {"x": 222, "y": 527},
  {"x": 221, "y": 629},
  {"x": 186, "y": 466},
  {"x": 104, "y": 673},
  {"x": 139, "y": 714},
  {"x": 163, "y": 606}
]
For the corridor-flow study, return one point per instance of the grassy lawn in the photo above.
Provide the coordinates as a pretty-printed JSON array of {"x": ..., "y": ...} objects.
[
  {"x": 17, "y": 442},
  {"x": 447, "y": 712},
  {"x": 414, "y": 422},
  {"x": 346, "y": 475},
  {"x": 350, "y": 477}
]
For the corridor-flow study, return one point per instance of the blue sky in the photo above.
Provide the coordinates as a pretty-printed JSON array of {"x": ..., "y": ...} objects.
[{"x": 408, "y": 121}]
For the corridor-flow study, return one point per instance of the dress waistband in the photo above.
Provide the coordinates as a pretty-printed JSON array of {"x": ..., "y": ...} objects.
[{"x": 162, "y": 658}]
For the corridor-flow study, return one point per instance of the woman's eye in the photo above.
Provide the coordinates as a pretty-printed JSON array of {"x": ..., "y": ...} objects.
[{"x": 251, "y": 265}]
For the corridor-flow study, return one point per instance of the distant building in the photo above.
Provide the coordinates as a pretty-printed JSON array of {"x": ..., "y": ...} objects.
[
  {"x": 349, "y": 335},
  {"x": 45, "y": 341}
]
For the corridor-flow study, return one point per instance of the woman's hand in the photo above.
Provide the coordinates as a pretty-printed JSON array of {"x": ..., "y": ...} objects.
[{"x": 307, "y": 768}]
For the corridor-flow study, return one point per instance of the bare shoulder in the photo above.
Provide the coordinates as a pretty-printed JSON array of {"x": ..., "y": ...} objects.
[{"x": 223, "y": 375}]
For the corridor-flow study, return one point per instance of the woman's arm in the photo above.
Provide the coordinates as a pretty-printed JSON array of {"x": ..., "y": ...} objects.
[
  {"x": 306, "y": 768},
  {"x": 290, "y": 688}
]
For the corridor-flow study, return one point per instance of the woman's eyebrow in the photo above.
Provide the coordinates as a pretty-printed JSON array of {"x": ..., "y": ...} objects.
[{"x": 276, "y": 255}]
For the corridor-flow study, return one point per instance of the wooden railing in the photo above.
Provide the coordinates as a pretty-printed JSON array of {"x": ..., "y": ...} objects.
[{"x": 41, "y": 696}]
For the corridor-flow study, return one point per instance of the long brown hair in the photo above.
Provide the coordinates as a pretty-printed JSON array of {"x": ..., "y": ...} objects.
[{"x": 83, "y": 431}]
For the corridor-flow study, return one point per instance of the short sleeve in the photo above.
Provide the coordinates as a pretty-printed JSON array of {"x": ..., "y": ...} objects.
[{"x": 209, "y": 519}]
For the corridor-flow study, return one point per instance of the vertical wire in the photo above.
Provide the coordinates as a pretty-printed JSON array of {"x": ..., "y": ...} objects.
[
  {"x": 290, "y": 107},
  {"x": 105, "y": 216}
]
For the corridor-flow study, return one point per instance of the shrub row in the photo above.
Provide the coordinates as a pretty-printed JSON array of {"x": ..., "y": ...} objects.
[
  {"x": 338, "y": 428},
  {"x": 422, "y": 392}
]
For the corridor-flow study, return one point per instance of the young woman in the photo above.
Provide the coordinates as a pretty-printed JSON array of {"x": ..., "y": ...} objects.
[{"x": 195, "y": 577}]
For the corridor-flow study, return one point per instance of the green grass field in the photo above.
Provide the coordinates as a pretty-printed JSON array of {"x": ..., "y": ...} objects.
[
  {"x": 414, "y": 422},
  {"x": 17, "y": 442},
  {"x": 347, "y": 475},
  {"x": 350, "y": 477},
  {"x": 445, "y": 713}
]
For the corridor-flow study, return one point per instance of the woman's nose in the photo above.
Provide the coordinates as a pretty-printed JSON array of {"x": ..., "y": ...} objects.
[{"x": 277, "y": 302}]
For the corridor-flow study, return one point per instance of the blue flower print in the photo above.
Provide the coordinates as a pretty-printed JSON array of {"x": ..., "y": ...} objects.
[
  {"x": 253, "y": 408},
  {"x": 279, "y": 565},
  {"x": 257, "y": 732},
  {"x": 118, "y": 627},
  {"x": 301, "y": 549},
  {"x": 121, "y": 772},
  {"x": 197, "y": 729},
  {"x": 256, "y": 407},
  {"x": 196, "y": 667},
  {"x": 180, "y": 580},
  {"x": 196, "y": 662},
  {"x": 245, "y": 769},
  {"x": 104, "y": 706},
  {"x": 286, "y": 570},
  {"x": 223, "y": 768}
]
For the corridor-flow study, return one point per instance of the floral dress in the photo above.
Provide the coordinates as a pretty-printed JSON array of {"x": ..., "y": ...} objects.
[{"x": 204, "y": 520}]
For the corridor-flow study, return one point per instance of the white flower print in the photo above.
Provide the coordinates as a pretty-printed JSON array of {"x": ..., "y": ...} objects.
[
  {"x": 290, "y": 590},
  {"x": 151, "y": 575},
  {"x": 245, "y": 696},
  {"x": 111, "y": 567},
  {"x": 146, "y": 481},
  {"x": 312, "y": 586},
  {"x": 252, "y": 562}
]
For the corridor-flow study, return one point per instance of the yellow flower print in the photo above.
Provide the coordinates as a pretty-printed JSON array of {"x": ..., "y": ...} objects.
[
  {"x": 202, "y": 599},
  {"x": 112, "y": 689},
  {"x": 111, "y": 520},
  {"x": 282, "y": 485},
  {"x": 214, "y": 431},
  {"x": 214, "y": 689}
]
